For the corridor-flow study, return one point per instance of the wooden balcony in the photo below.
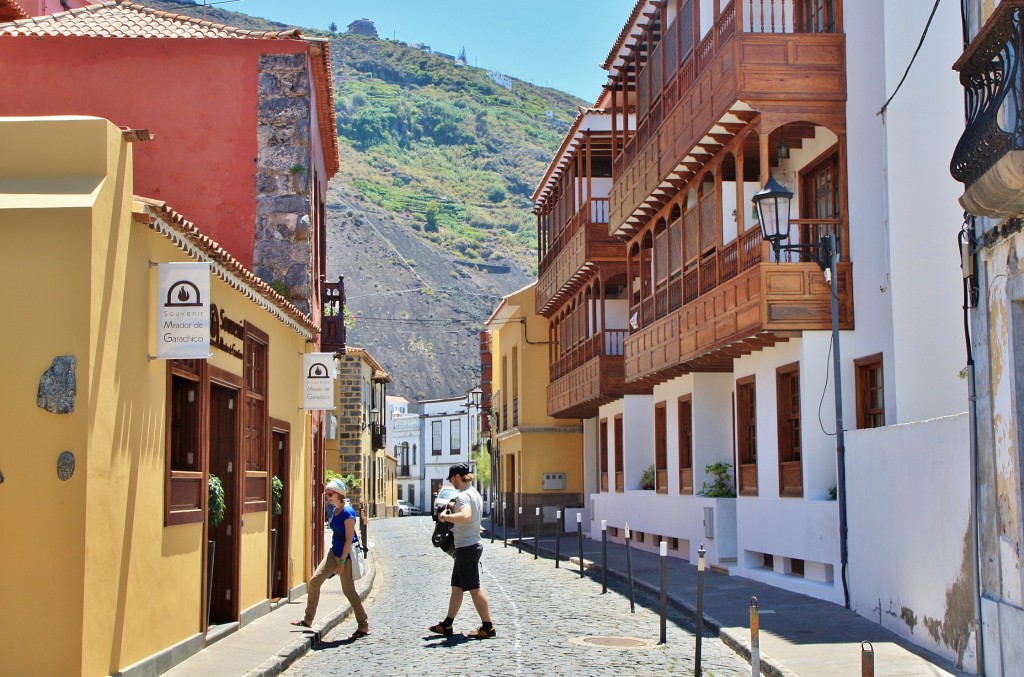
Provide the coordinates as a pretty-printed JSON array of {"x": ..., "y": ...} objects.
[
  {"x": 733, "y": 72},
  {"x": 332, "y": 336},
  {"x": 589, "y": 376},
  {"x": 584, "y": 242},
  {"x": 761, "y": 305}
]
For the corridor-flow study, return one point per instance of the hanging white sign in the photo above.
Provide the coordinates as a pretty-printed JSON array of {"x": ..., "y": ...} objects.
[
  {"x": 183, "y": 311},
  {"x": 318, "y": 381}
]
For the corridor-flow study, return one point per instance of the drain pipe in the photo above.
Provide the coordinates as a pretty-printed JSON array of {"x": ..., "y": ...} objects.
[{"x": 965, "y": 242}]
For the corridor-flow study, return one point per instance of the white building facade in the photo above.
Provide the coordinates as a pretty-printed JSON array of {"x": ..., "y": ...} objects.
[
  {"x": 764, "y": 405},
  {"x": 446, "y": 433}
]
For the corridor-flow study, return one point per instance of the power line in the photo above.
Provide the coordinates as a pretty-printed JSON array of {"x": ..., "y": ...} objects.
[{"x": 907, "y": 72}]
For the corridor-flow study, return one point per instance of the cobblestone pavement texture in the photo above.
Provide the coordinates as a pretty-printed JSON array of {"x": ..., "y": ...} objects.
[{"x": 547, "y": 621}]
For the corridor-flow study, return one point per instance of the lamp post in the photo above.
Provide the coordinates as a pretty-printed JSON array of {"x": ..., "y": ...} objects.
[
  {"x": 473, "y": 400},
  {"x": 773, "y": 208}
]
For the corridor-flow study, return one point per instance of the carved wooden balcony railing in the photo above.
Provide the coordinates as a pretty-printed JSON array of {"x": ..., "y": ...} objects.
[
  {"x": 589, "y": 375},
  {"x": 332, "y": 336},
  {"x": 773, "y": 55},
  {"x": 734, "y": 303},
  {"x": 378, "y": 436},
  {"x": 583, "y": 242},
  {"x": 990, "y": 72}
]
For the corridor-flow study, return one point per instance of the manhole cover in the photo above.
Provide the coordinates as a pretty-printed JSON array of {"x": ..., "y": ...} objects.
[{"x": 618, "y": 642}]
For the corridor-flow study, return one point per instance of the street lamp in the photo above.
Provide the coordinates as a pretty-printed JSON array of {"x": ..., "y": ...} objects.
[
  {"x": 374, "y": 413},
  {"x": 773, "y": 207}
]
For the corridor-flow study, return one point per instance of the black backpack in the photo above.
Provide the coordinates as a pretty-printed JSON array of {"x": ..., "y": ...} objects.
[{"x": 443, "y": 536}]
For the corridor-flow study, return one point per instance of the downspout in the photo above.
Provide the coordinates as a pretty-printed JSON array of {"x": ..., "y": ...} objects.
[{"x": 966, "y": 244}]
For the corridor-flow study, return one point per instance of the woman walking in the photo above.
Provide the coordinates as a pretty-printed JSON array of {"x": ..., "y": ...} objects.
[{"x": 338, "y": 560}]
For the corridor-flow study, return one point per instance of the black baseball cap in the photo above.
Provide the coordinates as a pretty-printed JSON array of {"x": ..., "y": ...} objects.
[{"x": 459, "y": 469}]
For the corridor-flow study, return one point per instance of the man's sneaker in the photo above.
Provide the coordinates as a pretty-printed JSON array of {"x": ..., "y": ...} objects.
[
  {"x": 441, "y": 629},
  {"x": 483, "y": 633}
]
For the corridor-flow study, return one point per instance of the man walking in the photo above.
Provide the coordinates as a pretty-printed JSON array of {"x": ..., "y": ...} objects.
[{"x": 468, "y": 548}]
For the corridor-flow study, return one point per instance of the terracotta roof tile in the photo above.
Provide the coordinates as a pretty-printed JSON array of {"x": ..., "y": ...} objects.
[
  {"x": 183, "y": 233},
  {"x": 122, "y": 19},
  {"x": 11, "y": 11}
]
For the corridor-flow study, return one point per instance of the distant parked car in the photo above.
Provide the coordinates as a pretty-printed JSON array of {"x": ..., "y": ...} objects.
[
  {"x": 405, "y": 508},
  {"x": 444, "y": 496}
]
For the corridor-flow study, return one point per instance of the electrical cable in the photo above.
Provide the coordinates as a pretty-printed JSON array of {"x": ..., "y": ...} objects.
[{"x": 907, "y": 72}]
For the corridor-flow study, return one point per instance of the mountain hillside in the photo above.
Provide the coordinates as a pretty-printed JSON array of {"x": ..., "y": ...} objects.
[{"x": 429, "y": 218}]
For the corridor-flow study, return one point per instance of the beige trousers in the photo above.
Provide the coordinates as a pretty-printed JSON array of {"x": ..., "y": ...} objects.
[{"x": 327, "y": 567}]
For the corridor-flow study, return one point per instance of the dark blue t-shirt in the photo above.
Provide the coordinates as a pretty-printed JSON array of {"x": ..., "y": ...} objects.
[{"x": 338, "y": 520}]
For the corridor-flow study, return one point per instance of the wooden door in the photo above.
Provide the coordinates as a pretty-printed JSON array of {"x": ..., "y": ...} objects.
[
  {"x": 280, "y": 463},
  {"x": 224, "y": 462}
]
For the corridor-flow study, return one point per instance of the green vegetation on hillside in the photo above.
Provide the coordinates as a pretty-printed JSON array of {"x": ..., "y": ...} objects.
[{"x": 453, "y": 153}]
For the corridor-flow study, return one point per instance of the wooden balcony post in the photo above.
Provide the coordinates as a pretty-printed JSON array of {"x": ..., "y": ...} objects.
[
  {"x": 765, "y": 169},
  {"x": 741, "y": 211}
]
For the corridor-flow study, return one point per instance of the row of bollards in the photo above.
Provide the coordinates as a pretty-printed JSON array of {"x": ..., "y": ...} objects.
[{"x": 867, "y": 650}]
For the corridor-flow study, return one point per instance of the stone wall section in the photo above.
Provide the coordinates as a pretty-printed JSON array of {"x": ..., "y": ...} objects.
[
  {"x": 283, "y": 255},
  {"x": 350, "y": 422}
]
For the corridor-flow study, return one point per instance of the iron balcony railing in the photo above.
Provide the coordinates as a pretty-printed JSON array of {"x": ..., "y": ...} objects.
[{"x": 991, "y": 76}]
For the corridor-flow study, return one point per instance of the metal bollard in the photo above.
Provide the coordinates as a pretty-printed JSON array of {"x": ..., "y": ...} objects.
[
  {"x": 867, "y": 659},
  {"x": 519, "y": 541},
  {"x": 629, "y": 572},
  {"x": 700, "y": 608},
  {"x": 663, "y": 551},
  {"x": 604, "y": 556},
  {"x": 558, "y": 537},
  {"x": 536, "y": 536},
  {"x": 493, "y": 517},
  {"x": 755, "y": 638},
  {"x": 504, "y": 524},
  {"x": 579, "y": 538}
]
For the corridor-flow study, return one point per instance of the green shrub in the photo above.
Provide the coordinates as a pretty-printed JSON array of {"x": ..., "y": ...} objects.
[
  {"x": 647, "y": 479},
  {"x": 277, "y": 491},
  {"x": 216, "y": 507},
  {"x": 721, "y": 486}
]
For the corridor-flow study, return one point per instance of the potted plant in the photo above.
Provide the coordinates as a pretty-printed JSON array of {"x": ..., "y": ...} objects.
[
  {"x": 216, "y": 506},
  {"x": 721, "y": 485},
  {"x": 215, "y": 510},
  {"x": 277, "y": 494},
  {"x": 647, "y": 479}
]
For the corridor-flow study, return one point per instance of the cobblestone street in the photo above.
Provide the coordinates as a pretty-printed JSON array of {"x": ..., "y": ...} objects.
[{"x": 544, "y": 617}]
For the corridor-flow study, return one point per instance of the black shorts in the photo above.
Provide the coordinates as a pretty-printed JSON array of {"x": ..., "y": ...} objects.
[{"x": 466, "y": 572}]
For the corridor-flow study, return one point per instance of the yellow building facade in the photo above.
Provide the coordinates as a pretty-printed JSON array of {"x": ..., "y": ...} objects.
[
  {"x": 107, "y": 451},
  {"x": 539, "y": 458}
]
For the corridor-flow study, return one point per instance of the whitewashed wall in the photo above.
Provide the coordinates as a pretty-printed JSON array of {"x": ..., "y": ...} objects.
[
  {"x": 907, "y": 508},
  {"x": 924, "y": 216}
]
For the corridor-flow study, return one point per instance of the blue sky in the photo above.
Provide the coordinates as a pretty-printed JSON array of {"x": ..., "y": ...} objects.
[{"x": 553, "y": 43}]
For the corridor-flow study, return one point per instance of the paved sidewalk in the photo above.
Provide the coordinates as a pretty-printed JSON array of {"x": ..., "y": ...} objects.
[
  {"x": 799, "y": 635},
  {"x": 268, "y": 645}
]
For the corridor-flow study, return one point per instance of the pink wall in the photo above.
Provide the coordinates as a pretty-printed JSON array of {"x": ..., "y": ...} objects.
[
  {"x": 42, "y": 7},
  {"x": 198, "y": 96}
]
